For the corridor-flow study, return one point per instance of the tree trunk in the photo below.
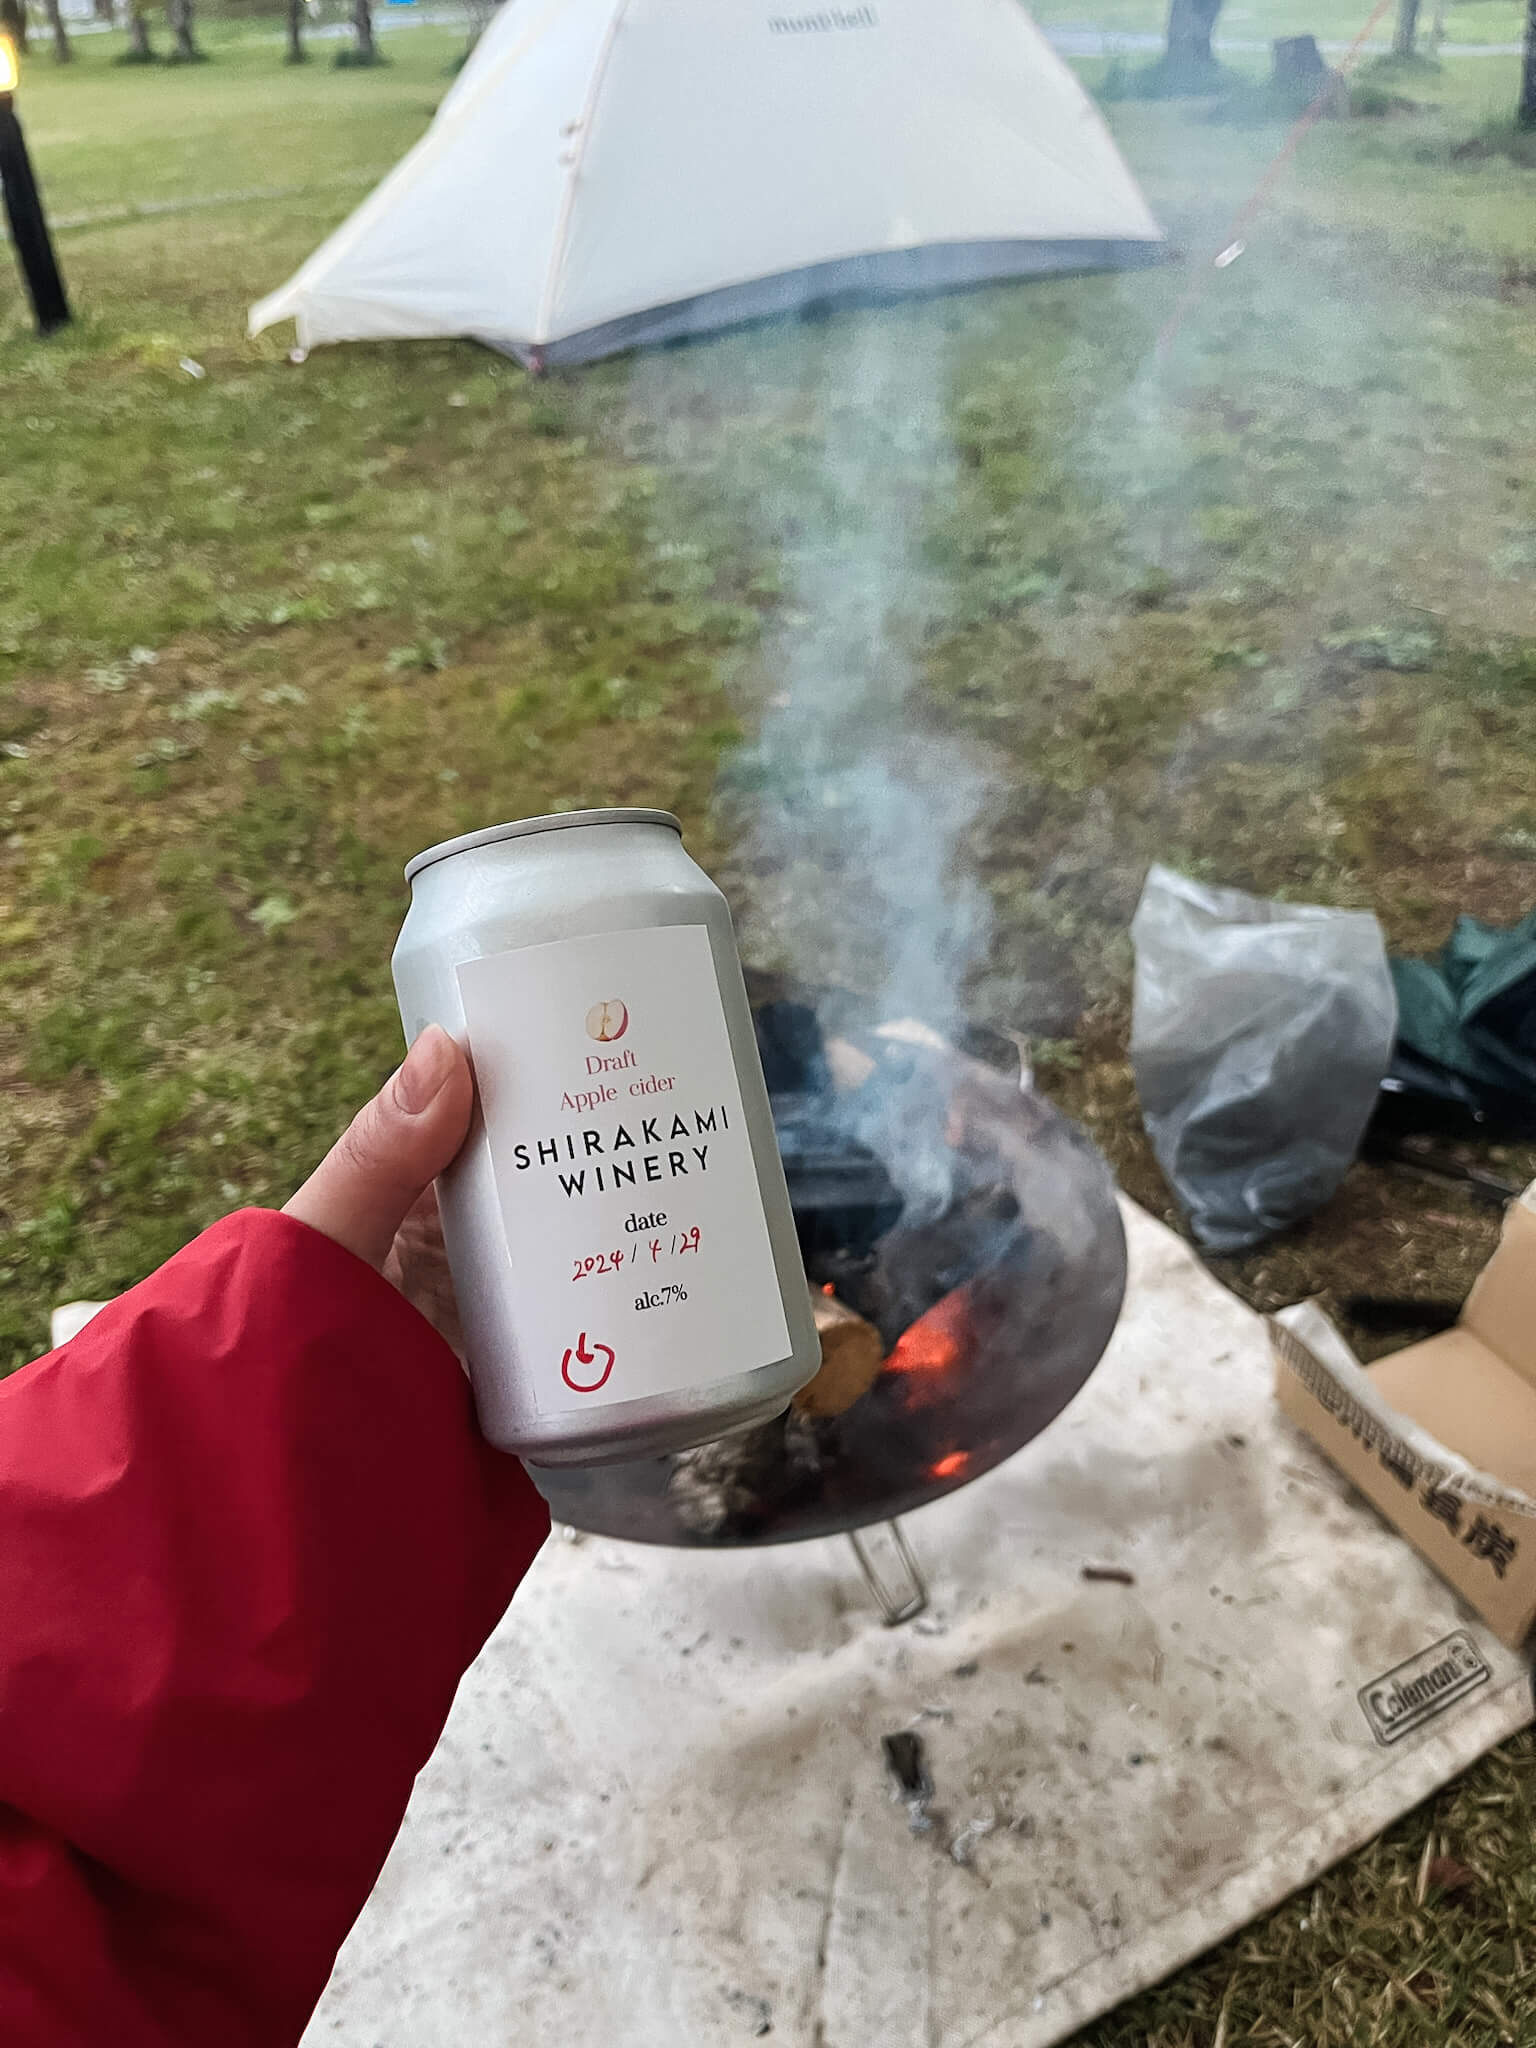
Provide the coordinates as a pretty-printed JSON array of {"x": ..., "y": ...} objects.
[
  {"x": 178, "y": 17},
  {"x": 106, "y": 10},
  {"x": 362, "y": 22},
  {"x": 296, "y": 50},
  {"x": 140, "y": 49},
  {"x": 1190, "y": 23},
  {"x": 62, "y": 53},
  {"x": 1407, "y": 34},
  {"x": 13, "y": 20},
  {"x": 1526, "y": 118}
]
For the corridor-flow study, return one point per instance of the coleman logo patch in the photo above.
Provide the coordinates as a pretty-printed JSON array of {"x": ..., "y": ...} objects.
[{"x": 1404, "y": 1699}]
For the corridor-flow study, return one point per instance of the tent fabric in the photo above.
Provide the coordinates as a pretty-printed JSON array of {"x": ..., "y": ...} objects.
[
  {"x": 608, "y": 171},
  {"x": 886, "y": 274}
]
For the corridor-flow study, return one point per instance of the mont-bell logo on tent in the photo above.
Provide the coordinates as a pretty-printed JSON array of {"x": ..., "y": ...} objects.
[{"x": 825, "y": 23}]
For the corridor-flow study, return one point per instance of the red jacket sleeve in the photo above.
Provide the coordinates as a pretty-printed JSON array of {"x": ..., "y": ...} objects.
[{"x": 249, "y": 1541}]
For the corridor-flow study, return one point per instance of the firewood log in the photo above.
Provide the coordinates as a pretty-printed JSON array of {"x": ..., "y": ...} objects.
[{"x": 852, "y": 1353}]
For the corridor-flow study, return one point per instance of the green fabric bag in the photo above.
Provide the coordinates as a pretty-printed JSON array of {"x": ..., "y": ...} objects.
[{"x": 1474, "y": 1009}]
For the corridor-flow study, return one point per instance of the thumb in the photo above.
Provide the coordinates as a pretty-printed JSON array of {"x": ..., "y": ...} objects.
[{"x": 366, "y": 1185}]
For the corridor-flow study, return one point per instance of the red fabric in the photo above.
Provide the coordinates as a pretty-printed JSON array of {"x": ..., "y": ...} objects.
[{"x": 249, "y": 1541}]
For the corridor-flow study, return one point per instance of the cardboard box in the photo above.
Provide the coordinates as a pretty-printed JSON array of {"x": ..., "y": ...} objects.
[{"x": 1441, "y": 1436}]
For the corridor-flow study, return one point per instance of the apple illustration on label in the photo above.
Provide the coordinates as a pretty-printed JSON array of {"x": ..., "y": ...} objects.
[{"x": 607, "y": 1021}]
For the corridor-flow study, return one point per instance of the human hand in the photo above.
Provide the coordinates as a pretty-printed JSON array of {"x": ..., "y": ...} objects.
[{"x": 373, "y": 1190}]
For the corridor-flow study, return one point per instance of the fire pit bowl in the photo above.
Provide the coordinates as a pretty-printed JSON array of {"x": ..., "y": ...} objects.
[{"x": 995, "y": 1293}]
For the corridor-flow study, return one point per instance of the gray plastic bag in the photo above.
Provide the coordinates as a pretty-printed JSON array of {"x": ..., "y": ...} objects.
[{"x": 1260, "y": 1038}]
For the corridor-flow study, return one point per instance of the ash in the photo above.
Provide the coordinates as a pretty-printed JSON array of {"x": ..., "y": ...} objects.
[{"x": 741, "y": 1484}]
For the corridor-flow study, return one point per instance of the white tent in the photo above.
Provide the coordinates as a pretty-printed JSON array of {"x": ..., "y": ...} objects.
[{"x": 607, "y": 172}]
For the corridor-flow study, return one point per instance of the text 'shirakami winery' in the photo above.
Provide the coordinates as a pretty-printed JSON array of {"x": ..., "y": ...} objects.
[
  {"x": 618, "y": 1225},
  {"x": 616, "y": 1157}
]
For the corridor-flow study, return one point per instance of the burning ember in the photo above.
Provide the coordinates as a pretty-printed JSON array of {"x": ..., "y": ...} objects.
[
  {"x": 936, "y": 1342},
  {"x": 966, "y": 1265}
]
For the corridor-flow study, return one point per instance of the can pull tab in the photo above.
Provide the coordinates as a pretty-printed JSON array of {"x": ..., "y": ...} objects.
[{"x": 586, "y": 1354}]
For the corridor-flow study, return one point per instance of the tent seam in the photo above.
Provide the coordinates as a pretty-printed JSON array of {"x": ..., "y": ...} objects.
[{"x": 559, "y": 249}]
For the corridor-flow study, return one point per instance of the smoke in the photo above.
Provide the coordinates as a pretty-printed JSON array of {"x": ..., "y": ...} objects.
[
  {"x": 1047, "y": 606},
  {"x": 1257, "y": 530},
  {"x": 847, "y": 812},
  {"x": 849, "y": 816}
]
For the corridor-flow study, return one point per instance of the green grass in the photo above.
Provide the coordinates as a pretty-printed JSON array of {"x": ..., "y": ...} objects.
[
  {"x": 1331, "y": 21},
  {"x": 1268, "y": 611},
  {"x": 263, "y": 632}
]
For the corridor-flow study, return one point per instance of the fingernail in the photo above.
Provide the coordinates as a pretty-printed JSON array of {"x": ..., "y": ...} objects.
[{"x": 427, "y": 1066}]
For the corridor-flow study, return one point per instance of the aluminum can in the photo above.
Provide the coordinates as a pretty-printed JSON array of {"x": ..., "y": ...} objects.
[{"x": 617, "y": 1223}]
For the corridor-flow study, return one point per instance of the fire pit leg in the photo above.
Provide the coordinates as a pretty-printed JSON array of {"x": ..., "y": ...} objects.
[{"x": 890, "y": 1571}]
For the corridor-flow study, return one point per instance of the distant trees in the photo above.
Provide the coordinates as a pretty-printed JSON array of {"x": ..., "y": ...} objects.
[
  {"x": 178, "y": 17},
  {"x": 62, "y": 53},
  {"x": 140, "y": 49},
  {"x": 1189, "y": 62},
  {"x": 13, "y": 23},
  {"x": 365, "y": 48},
  {"x": 137, "y": 19}
]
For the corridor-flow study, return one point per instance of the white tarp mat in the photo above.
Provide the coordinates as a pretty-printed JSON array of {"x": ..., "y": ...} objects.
[
  {"x": 597, "y": 159},
  {"x": 660, "y": 1814}
]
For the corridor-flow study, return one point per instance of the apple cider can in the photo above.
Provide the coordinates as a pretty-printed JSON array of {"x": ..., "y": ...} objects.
[{"x": 617, "y": 1224}]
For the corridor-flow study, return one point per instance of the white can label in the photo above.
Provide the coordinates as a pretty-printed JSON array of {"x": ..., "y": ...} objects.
[{"x": 639, "y": 1250}]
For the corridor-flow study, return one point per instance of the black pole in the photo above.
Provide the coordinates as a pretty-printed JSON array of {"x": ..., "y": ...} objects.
[{"x": 29, "y": 230}]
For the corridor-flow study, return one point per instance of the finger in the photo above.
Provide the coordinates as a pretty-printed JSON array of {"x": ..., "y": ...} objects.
[
  {"x": 367, "y": 1184},
  {"x": 418, "y": 1266}
]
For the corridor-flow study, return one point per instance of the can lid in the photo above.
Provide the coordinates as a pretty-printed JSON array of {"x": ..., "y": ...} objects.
[{"x": 520, "y": 828}]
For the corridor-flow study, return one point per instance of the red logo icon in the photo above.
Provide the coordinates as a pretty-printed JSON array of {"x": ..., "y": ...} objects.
[{"x": 599, "y": 1356}]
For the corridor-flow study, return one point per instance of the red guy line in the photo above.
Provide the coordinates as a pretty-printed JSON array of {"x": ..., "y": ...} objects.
[{"x": 1300, "y": 129}]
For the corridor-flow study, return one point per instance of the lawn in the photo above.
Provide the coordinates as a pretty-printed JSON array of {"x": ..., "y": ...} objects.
[
  {"x": 1266, "y": 610},
  {"x": 1245, "y": 22}
]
